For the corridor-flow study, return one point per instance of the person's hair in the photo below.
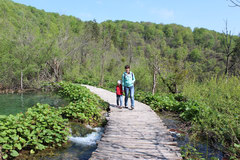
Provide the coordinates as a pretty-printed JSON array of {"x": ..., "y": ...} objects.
[{"x": 127, "y": 66}]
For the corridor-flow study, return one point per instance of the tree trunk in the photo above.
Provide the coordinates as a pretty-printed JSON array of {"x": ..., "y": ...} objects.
[
  {"x": 130, "y": 54},
  {"x": 102, "y": 70},
  {"x": 227, "y": 63},
  {"x": 21, "y": 80},
  {"x": 154, "y": 81},
  {"x": 228, "y": 47},
  {"x": 168, "y": 85},
  {"x": 56, "y": 68},
  {"x": 175, "y": 88}
]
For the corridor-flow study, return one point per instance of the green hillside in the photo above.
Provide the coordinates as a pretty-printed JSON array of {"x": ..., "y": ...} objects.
[
  {"x": 200, "y": 65},
  {"x": 40, "y": 46}
]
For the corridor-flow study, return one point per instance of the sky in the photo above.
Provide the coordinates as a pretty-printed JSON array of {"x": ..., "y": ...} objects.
[{"x": 210, "y": 14}]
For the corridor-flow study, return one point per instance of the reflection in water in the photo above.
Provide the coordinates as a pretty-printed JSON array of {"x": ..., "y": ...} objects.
[
  {"x": 16, "y": 103},
  {"x": 82, "y": 142},
  {"x": 22, "y": 100}
]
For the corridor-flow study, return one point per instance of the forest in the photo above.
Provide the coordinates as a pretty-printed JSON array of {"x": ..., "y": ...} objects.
[
  {"x": 194, "y": 72},
  {"x": 37, "y": 46}
]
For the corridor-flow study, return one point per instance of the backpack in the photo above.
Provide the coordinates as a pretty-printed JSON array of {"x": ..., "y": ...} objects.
[{"x": 125, "y": 75}]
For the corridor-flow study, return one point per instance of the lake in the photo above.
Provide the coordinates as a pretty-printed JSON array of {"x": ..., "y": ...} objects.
[{"x": 20, "y": 102}]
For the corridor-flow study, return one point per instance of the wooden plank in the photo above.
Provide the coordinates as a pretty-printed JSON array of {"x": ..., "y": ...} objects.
[{"x": 134, "y": 134}]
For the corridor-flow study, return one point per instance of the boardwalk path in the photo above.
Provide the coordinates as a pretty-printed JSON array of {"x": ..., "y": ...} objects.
[{"x": 133, "y": 134}]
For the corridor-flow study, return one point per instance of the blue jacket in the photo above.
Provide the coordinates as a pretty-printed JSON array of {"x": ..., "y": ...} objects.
[{"x": 128, "y": 79}]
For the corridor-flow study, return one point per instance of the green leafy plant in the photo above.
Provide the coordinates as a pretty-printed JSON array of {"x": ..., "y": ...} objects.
[
  {"x": 43, "y": 126},
  {"x": 188, "y": 109},
  {"x": 219, "y": 119},
  {"x": 84, "y": 107},
  {"x": 81, "y": 111},
  {"x": 40, "y": 127}
]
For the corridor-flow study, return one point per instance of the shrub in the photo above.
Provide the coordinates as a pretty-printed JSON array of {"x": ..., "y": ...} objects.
[
  {"x": 220, "y": 119},
  {"x": 43, "y": 126},
  {"x": 188, "y": 109},
  {"x": 83, "y": 111},
  {"x": 84, "y": 107},
  {"x": 40, "y": 127},
  {"x": 86, "y": 81}
]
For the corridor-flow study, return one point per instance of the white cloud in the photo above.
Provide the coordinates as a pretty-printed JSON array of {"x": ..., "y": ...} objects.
[{"x": 165, "y": 14}]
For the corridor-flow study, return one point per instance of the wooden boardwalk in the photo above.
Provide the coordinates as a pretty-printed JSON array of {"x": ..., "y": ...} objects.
[{"x": 133, "y": 134}]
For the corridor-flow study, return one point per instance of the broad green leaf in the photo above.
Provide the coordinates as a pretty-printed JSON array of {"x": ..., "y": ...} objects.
[
  {"x": 6, "y": 146},
  {"x": 14, "y": 153}
]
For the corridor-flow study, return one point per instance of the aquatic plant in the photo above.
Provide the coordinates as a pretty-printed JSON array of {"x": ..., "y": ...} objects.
[
  {"x": 43, "y": 126},
  {"x": 40, "y": 127},
  {"x": 84, "y": 107}
]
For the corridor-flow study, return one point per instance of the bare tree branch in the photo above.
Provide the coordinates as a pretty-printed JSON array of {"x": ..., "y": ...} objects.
[
  {"x": 227, "y": 46},
  {"x": 235, "y": 3}
]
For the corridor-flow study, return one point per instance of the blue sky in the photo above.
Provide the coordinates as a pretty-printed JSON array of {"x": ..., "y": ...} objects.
[{"x": 209, "y": 14}]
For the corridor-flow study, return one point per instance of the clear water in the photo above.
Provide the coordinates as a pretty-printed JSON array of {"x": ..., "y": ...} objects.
[
  {"x": 80, "y": 147},
  {"x": 16, "y": 103},
  {"x": 206, "y": 151},
  {"x": 82, "y": 141}
]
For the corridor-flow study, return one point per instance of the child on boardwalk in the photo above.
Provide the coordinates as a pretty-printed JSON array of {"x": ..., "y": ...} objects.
[{"x": 119, "y": 93}]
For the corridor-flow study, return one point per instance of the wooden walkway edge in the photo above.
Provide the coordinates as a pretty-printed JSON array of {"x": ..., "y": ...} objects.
[{"x": 133, "y": 134}]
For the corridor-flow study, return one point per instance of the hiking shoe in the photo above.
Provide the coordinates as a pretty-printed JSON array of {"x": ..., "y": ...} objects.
[{"x": 132, "y": 108}]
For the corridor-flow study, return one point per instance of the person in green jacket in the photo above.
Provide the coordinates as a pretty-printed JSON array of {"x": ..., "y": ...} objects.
[{"x": 128, "y": 80}]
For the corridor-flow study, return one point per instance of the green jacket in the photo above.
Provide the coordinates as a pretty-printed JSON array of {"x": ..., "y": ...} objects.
[{"x": 128, "y": 79}]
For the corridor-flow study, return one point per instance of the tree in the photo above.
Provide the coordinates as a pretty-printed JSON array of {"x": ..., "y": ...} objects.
[
  {"x": 236, "y": 58},
  {"x": 23, "y": 55},
  {"x": 154, "y": 59},
  {"x": 203, "y": 37},
  {"x": 66, "y": 47},
  {"x": 228, "y": 46},
  {"x": 49, "y": 47},
  {"x": 195, "y": 55},
  {"x": 106, "y": 45},
  {"x": 235, "y": 3}
]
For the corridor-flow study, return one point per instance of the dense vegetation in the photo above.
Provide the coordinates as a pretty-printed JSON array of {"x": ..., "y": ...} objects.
[
  {"x": 203, "y": 65},
  {"x": 36, "y": 46},
  {"x": 43, "y": 126},
  {"x": 40, "y": 127},
  {"x": 188, "y": 109},
  {"x": 84, "y": 106},
  {"x": 219, "y": 120},
  {"x": 212, "y": 107}
]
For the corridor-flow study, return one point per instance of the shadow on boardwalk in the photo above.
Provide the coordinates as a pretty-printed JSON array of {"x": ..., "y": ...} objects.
[{"x": 134, "y": 134}]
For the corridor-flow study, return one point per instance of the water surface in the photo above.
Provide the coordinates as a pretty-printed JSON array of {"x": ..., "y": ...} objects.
[
  {"x": 202, "y": 147},
  {"x": 82, "y": 143},
  {"x": 20, "y": 102}
]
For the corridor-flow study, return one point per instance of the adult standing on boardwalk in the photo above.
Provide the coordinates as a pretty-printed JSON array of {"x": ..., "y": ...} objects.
[{"x": 128, "y": 80}]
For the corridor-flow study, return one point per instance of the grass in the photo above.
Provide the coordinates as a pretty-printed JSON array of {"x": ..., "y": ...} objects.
[{"x": 220, "y": 119}]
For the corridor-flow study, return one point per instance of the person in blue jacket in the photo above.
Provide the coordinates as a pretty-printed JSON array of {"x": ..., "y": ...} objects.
[{"x": 128, "y": 80}]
